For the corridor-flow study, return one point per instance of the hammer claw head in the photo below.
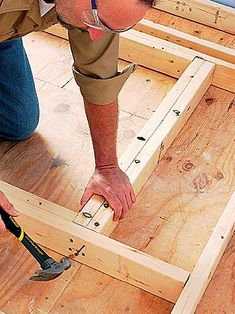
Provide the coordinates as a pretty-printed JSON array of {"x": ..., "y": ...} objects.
[
  {"x": 41, "y": 275},
  {"x": 53, "y": 271}
]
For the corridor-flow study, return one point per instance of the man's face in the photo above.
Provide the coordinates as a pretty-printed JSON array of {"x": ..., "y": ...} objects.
[{"x": 116, "y": 14}]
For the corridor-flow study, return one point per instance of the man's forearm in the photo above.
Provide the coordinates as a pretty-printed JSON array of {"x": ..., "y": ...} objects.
[
  {"x": 108, "y": 179},
  {"x": 103, "y": 123}
]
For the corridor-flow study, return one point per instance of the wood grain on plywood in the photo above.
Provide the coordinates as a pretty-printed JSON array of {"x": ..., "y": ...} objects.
[
  {"x": 208, "y": 261},
  {"x": 175, "y": 211},
  {"x": 51, "y": 61},
  {"x": 17, "y": 293},
  {"x": 190, "y": 187}
]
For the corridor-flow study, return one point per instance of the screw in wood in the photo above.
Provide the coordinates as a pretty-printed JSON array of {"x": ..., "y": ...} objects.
[
  {"x": 177, "y": 112},
  {"x": 141, "y": 138},
  {"x": 87, "y": 215}
]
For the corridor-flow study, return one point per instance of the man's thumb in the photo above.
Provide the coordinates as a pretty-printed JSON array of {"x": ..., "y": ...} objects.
[
  {"x": 85, "y": 198},
  {"x": 7, "y": 206}
]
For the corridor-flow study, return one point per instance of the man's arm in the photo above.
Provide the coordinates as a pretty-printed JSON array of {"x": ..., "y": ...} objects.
[
  {"x": 8, "y": 207},
  {"x": 96, "y": 72},
  {"x": 108, "y": 179}
]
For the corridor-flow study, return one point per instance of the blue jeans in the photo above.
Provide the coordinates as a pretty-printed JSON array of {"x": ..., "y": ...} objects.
[{"x": 19, "y": 107}]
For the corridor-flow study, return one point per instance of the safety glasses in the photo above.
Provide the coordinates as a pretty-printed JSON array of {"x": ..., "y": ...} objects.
[{"x": 90, "y": 18}]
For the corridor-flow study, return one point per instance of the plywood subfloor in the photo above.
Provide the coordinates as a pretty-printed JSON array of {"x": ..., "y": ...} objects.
[
  {"x": 51, "y": 162},
  {"x": 196, "y": 176}
]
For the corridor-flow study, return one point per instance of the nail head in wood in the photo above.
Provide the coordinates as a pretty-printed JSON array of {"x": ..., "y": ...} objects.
[
  {"x": 141, "y": 138},
  {"x": 87, "y": 215},
  {"x": 177, "y": 112}
]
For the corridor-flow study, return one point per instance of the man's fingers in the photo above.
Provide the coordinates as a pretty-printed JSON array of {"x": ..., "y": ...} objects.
[
  {"x": 114, "y": 185},
  {"x": 126, "y": 208},
  {"x": 117, "y": 211},
  {"x": 7, "y": 206},
  {"x": 129, "y": 200},
  {"x": 126, "y": 204},
  {"x": 115, "y": 204},
  {"x": 119, "y": 203},
  {"x": 133, "y": 197},
  {"x": 2, "y": 227},
  {"x": 85, "y": 198}
]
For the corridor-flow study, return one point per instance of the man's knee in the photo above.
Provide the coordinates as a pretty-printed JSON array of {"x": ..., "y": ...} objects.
[
  {"x": 19, "y": 110},
  {"x": 24, "y": 127},
  {"x": 24, "y": 131},
  {"x": 21, "y": 124}
]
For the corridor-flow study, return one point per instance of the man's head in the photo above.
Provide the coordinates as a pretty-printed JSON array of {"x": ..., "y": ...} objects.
[{"x": 115, "y": 15}]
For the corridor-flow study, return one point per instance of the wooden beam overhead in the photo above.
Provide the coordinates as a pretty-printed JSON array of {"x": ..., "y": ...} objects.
[
  {"x": 203, "y": 11},
  {"x": 96, "y": 250}
]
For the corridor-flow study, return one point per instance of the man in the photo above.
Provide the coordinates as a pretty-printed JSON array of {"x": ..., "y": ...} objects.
[{"x": 93, "y": 34}]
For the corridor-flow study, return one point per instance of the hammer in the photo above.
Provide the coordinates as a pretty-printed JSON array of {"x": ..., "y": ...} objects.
[{"x": 50, "y": 269}]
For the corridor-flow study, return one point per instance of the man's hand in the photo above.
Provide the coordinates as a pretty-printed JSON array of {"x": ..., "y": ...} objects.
[
  {"x": 108, "y": 179},
  {"x": 8, "y": 207},
  {"x": 113, "y": 184}
]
